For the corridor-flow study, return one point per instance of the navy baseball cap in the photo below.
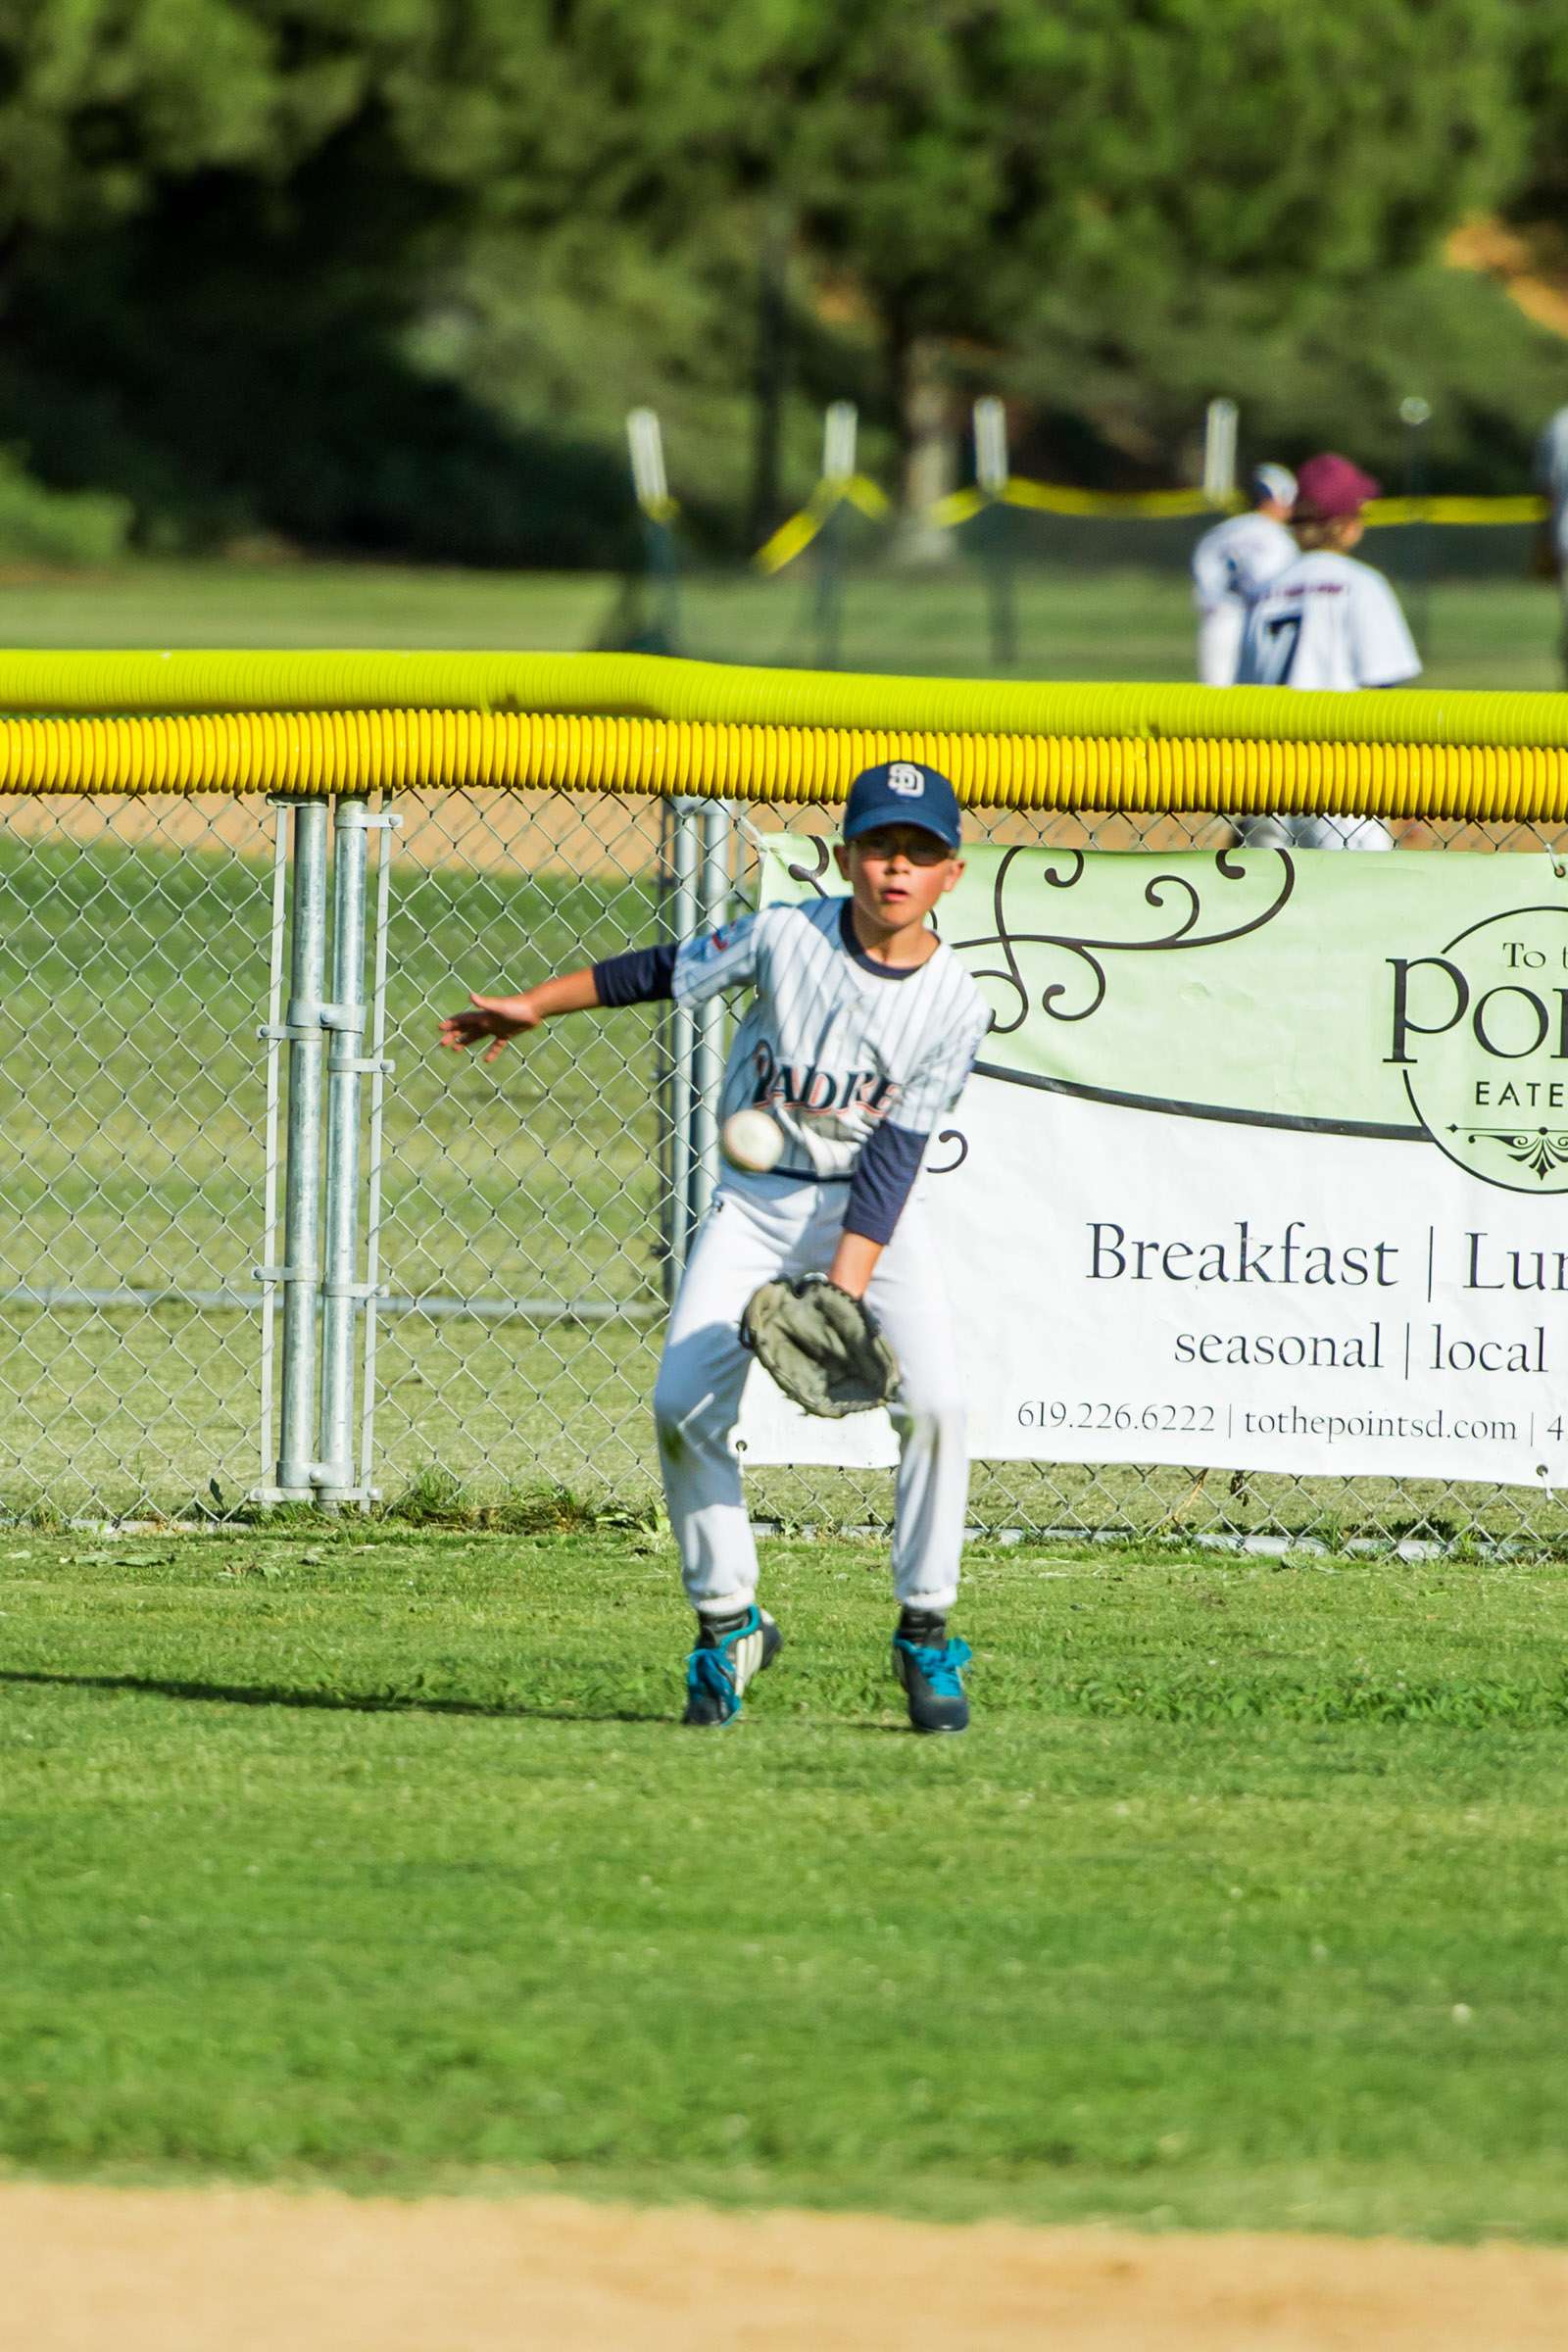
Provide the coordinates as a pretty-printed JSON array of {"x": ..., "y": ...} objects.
[{"x": 904, "y": 792}]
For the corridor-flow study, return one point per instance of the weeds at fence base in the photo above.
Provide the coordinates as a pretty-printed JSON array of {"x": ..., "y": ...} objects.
[
  {"x": 434, "y": 1498},
  {"x": 436, "y": 1503}
]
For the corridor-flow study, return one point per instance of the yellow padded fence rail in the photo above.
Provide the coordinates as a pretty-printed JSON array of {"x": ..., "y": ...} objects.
[
  {"x": 652, "y": 686},
  {"x": 311, "y": 753},
  {"x": 321, "y": 722}
]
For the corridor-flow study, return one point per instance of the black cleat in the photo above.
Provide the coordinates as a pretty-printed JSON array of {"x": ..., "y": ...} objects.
[
  {"x": 932, "y": 1676},
  {"x": 730, "y": 1652}
]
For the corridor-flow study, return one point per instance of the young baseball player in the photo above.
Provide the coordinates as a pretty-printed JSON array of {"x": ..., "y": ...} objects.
[
  {"x": 1551, "y": 481},
  {"x": 1326, "y": 623},
  {"x": 1232, "y": 563},
  {"x": 859, "y": 1035}
]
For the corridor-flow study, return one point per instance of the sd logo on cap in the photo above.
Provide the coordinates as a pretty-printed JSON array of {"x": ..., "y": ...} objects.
[{"x": 882, "y": 796}]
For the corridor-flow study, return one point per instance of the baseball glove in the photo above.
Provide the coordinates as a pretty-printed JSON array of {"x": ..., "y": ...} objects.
[{"x": 821, "y": 1346}]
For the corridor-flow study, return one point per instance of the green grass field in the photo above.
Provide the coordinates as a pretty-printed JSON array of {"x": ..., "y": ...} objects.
[
  {"x": 1072, "y": 623},
  {"x": 376, "y": 1858}
]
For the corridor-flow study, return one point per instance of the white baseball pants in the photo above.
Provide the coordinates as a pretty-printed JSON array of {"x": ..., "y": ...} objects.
[
  {"x": 1219, "y": 642},
  {"x": 1313, "y": 833},
  {"x": 772, "y": 1225}
]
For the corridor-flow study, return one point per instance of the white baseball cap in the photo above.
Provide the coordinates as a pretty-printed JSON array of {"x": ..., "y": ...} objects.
[{"x": 1276, "y": 482}]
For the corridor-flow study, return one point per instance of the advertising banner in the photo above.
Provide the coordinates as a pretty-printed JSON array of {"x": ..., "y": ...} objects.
[{"x": 1264, "y": 1164}]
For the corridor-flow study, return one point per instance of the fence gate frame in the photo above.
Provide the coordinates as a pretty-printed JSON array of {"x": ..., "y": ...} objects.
[{"x": 336, "y": 1046}]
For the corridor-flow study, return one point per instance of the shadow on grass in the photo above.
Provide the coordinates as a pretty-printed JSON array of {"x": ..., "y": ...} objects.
[{"x": 346, "y": 1703}]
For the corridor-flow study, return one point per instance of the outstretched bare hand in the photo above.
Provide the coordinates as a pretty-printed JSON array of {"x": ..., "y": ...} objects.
[{"x": 497, "y": 1018}]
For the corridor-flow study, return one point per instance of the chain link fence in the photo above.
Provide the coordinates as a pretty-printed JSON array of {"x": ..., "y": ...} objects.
[{"x": 495, "y": 1301}]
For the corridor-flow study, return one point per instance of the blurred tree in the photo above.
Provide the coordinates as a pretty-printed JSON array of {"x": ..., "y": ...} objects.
[
  {"x": 981, "y": 171},
  {"x": 259, "y": 257},
  {"x": 217, "y": 218},
  {"x": 103, "y": 101},
  {"x": 999, "y": 164},
  {"x": 1542, "y": 192}
]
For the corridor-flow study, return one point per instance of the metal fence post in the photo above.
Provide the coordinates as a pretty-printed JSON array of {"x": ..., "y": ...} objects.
[
  {"x": 344, "y": 1020},
  {"x": 272, "y": 1033},
  {"x": 685, "y": 876},
  {"x": 380, "y": 1070},
  {"x": 300, "y": 1272},
  {"x": 707, "y": 1043}
]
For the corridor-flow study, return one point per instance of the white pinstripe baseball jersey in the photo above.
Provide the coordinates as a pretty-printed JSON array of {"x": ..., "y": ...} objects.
[
  {"x": 833, "y": 1043},
  {"x": 1237, "y": 559}
]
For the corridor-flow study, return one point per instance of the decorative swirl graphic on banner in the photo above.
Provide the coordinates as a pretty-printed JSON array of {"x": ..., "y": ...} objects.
[
  {"x": 1538, "y": 1148},
  {"x": 1197, "y": 907},
  {"x": 1177, "y": 897},
  {"x": 813, "y": 873}
]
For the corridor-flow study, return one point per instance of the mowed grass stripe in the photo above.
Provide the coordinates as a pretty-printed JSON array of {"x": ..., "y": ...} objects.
[{"x": 380, "y": 1859}]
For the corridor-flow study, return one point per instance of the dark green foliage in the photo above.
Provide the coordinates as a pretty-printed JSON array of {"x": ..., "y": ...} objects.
[
  {"x": 387, "y": 275},
  {"x": 224, "y": 399},
  {"x": 1113, "y": 155},
  {"x": 1329, "y": 373}
]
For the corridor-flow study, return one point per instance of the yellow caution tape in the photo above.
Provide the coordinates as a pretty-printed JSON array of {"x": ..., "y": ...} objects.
[
  {"x": 1456, "y": 510},
  {"x": 794, "y": 536},
  {"x": 960, "y": 506},
  {"x": 1055, "y": 497},
  {"x": 862, "y": 492},
  {"x": 1051, "y": 498},
  {"x": 318, "y": 751},
  {"x": 791, "y": 539}
]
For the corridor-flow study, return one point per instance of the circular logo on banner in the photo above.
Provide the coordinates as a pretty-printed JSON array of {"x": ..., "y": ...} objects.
[{"x": 1481, "y": 1034}]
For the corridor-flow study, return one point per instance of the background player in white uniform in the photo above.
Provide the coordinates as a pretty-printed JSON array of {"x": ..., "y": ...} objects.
[
  {"x": 859, "y": 1037},
  {"x": 1551, "y": 481},
  {"x": 1326, "y": 623},
  {"x": 1232, "y": 563}
]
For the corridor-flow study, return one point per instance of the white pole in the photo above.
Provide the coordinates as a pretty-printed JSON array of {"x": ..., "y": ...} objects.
[
  {"x": 991, "y": 445},
  {"x": 838, "y": 440},
  {"x": 647, "y": 447},
  {"x": 1219, "y": 450}
]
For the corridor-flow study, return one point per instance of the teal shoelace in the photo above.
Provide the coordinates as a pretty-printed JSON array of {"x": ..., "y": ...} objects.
[{"x": 941, "y": 1667}]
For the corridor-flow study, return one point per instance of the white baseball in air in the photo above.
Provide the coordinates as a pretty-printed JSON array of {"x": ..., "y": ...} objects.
[{"x": 751, "y": 1140}]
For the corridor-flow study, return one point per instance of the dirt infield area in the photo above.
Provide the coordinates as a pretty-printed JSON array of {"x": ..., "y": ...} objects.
[{"x": 249, "y": 2270}]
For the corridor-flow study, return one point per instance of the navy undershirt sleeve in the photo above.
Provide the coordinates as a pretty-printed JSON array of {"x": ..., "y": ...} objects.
[
  {"x": 640, "y": 976},
  {"x": 884, "y": 1177}
]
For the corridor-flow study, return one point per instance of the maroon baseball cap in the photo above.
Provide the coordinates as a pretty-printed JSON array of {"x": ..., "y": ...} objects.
[{"x": 1329, "y": 486}]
